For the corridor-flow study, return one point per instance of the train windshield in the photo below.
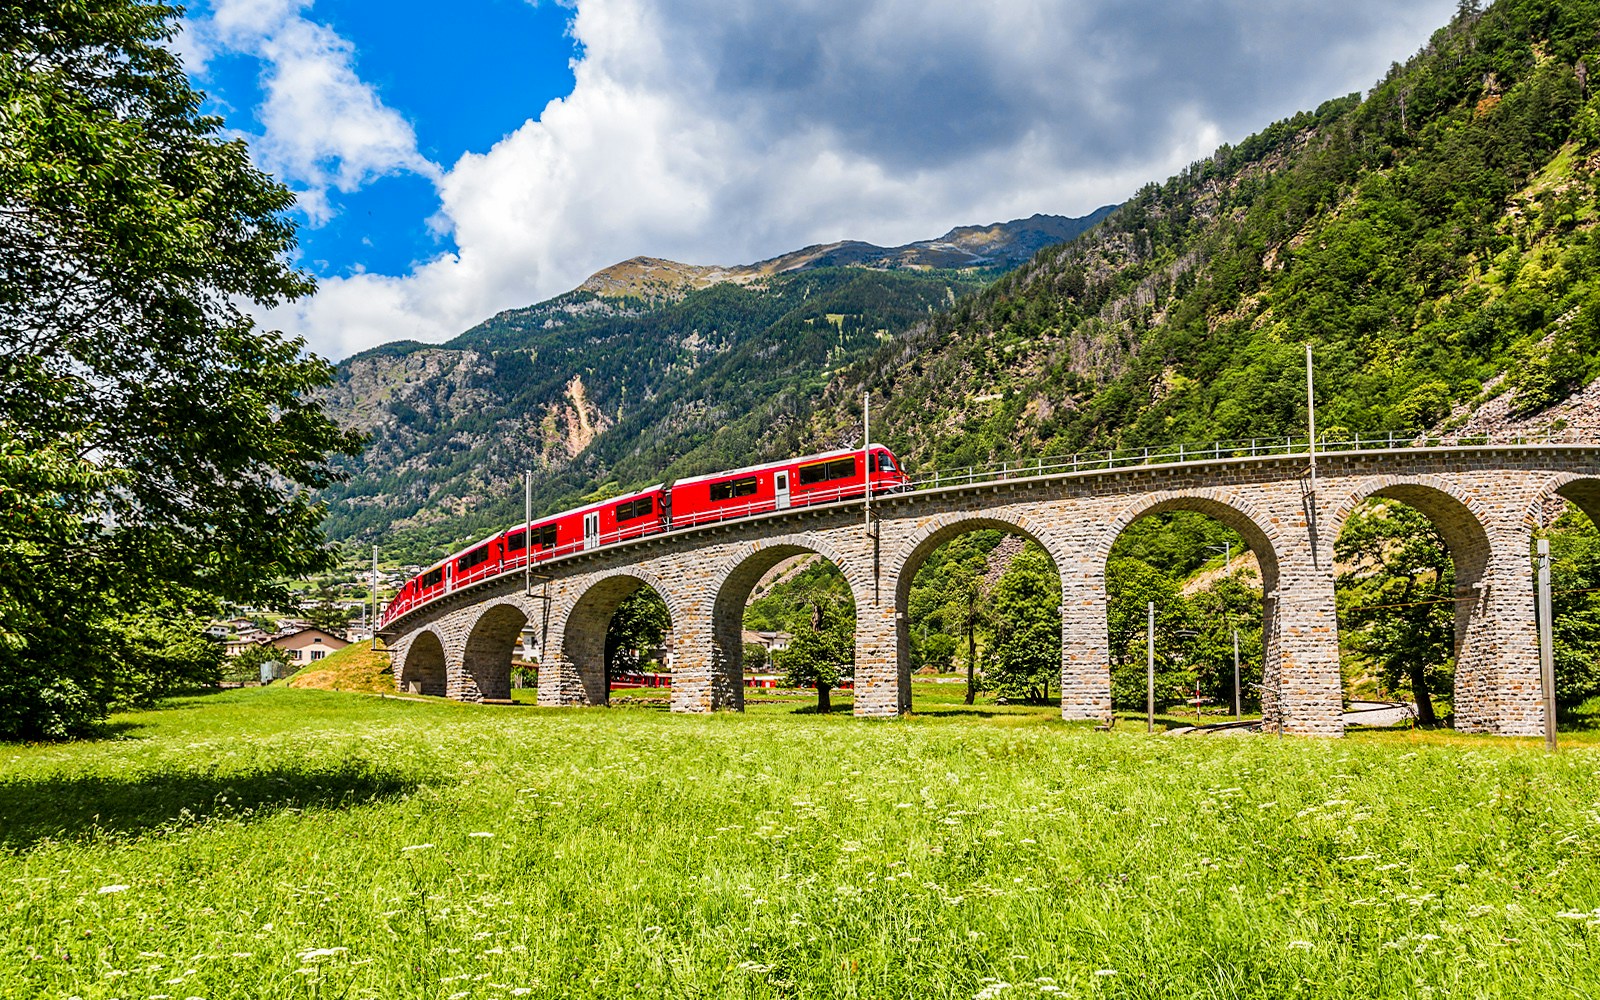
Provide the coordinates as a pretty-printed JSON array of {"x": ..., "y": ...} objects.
[{"x": 886, "y": 462}]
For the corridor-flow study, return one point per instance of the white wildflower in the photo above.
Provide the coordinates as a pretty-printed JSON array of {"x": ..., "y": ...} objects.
[
  {"x": 113, "y": 888},
  {"x": 313, "y": 954}
]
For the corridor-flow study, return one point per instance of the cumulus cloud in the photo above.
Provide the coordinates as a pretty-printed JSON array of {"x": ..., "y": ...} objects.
[
  {"x": 323, "y": 127},
  {"x": 712, "y": 132}
]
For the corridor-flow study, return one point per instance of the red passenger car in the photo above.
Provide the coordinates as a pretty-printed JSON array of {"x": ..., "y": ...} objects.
[
  {"x": 799, "y": 482},
  {"x": 795, "y": 482}
]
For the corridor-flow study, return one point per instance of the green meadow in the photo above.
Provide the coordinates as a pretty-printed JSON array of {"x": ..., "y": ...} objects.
[{"x": 293, "y": 843}]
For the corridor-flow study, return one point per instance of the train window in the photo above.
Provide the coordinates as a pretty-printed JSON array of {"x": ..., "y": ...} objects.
[
  {"x": 642, "y": 507},
  {"x": 885, "y": 462},
  {"x": 433, "y": 577},
  {"x": 477, "y": 557},
  {"x": 545, "y": 537},
  {"x": 516, "y": 540},
  {"x": 822, "y": 472},
  {"x": 729, "y": 489}
]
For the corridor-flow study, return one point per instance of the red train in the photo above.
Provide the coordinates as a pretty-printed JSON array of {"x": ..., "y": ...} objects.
[{"x": 796, "y": 482}]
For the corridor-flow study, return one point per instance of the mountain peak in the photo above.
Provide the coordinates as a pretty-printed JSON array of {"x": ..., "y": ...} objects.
[{"x": 999, "y": 245}]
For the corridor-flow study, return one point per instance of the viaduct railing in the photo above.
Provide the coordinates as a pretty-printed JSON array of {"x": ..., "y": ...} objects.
[
  {"x": 1118, "y": 458},
  {"x": 1078, "y": 462}
]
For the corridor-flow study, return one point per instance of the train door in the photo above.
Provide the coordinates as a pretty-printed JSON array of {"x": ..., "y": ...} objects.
[
  {"x": 780, "y": 488},
  {"x": 591, "y": 530}
]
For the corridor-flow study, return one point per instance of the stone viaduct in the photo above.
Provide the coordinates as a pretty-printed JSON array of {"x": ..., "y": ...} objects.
[{"x": 1485, "y": 500}]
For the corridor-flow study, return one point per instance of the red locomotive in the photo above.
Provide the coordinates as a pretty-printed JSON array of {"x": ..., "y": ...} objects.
[{"x": 796, "y": 482}]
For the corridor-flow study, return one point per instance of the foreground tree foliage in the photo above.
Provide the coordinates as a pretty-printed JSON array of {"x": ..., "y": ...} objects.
[{"x": 155, "y": 446}]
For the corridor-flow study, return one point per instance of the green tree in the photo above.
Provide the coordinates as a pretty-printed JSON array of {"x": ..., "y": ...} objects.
[
  {"x": 1231, "y": 603},
  {"x": 640, "y": 622},
  {"x": 939, "y": 651},
  {"x": 246, "y": 666},
  {"x": 1395, "y": 600},
  {"x": 755, "y": 657},
  {"x": 1131, "y": 584},
  {"x": 1575, "y": 580},
  {"x": 325, "y": 613},
  {"x": 159, "y": 449},
  {"x": 1025, "y": 653},
  {"x": 159, "y": 651},
  {"x": 967, "y": 611},
  {"x": 821, "y": 651}
]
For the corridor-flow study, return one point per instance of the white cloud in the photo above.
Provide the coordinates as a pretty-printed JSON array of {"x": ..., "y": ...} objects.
[
  {"x": 322, "y": 126},
  {"x": 714, "y": 133}
]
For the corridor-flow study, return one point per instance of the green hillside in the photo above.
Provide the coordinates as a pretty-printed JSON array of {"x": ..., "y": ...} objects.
[
  {"x": 603, "y": 393},
  {"x": 1432, "y": 240}
]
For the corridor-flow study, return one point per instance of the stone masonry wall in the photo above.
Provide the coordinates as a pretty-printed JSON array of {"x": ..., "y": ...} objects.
[{"x": 1484, "y": 500}]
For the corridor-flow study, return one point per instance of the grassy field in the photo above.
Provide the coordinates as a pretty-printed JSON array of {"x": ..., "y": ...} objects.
[{"x": 292, "y": 843}]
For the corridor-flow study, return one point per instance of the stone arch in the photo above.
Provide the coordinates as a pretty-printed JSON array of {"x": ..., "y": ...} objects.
[
  {"x": 935, "y": 532},
  {"x": 1582, "y": 491},
  {"x": 422, "y": 667},
  {"x": 486, "y": 655},
  {"x": 1257, "y": 529},
  {"x": 1471, "y": 536},
  {"x": 1288, "y": 702},
  {"x": 582, "y": 631},
  {"x": 736, "y": 578}
]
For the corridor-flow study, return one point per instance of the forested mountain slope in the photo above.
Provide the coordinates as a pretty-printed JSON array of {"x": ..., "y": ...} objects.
[
  {"x": 649, "y": 371},
  {"x": 1433, "y": 240}
]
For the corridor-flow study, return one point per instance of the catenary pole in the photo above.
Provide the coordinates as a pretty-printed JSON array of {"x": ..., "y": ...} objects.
[
  {"x": 1150, "y": 669},
  {"x": 1238, "y": 713},
  {"x": 866, "y": 449},
  {"x": 527, "y": 533},
  {"x": 1311, "y": 421},
  {"x": 1547, "y": 664},
  {"x": 373, "y": 621}
]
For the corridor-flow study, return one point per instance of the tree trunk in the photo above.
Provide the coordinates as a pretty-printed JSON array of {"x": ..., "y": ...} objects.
[
  {"x": 1419, "y": 690},
  {"x": 824, "y": 706},
  {"x": 972, "y": 664}
]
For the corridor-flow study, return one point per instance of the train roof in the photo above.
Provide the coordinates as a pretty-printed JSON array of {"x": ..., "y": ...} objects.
[
  {"x": 586, "y": 508},
  {"x": 651, "y": 489},
  {"x": 779, "y": 464},
  {"x": 539, "y": 521}
]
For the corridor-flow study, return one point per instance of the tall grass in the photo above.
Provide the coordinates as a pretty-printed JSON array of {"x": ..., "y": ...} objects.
[{"x": 282, "y": 843}]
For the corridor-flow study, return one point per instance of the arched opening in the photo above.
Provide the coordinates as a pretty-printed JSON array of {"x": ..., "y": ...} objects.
[
  {"x": 487, "y": 655},
  {"x": 978, "y": 611},
  {"x": 785, "y": 619},
  {"x": 1570, "y": 519},
  {"x": 424, "y": 670},
  {"x": 639, "y": 650},
  {"x": 619, "y": 626},
  {"x": 1409, "y": 565},
  {"x": 1208, "y": 570}
]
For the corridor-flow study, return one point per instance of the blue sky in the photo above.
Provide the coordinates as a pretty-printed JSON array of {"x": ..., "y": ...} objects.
[
  {"x": 464, "y": 74},
  {"x": 453, "y": 160}
]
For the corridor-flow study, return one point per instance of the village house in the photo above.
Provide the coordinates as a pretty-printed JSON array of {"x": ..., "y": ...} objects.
[{"x": 306, "y": 645}]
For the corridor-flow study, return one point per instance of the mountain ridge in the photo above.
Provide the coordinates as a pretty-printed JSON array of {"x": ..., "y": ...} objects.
[{"x": 997, "y": 245}]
